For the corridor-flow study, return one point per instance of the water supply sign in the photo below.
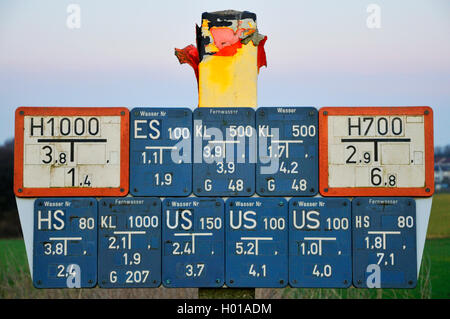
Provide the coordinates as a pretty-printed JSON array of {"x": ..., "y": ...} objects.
[
  {"x": 66, "y": 151},
  {"x": 376, "y": 151},
  {"x": 287, "y": 151},
  {"x": 160, "y": 152},
  {"x": 193, "y": 242},
  {"x": 384, "y": 242},
  {"x": 224, "y": 152},
  {"x": 107, "y": 172},
  {"x": 65, "y": 243},
  {"x": 129, "y": 242},
  {"x": 320, "y": 242},
  {"x": 257, "y": 242}
]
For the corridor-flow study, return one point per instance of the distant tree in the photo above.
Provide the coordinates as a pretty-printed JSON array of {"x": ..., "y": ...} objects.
[
  {"x": 442, "y": 150},
  {"x": 7, "y": 200},
  {"x": 9, "y": 219}
]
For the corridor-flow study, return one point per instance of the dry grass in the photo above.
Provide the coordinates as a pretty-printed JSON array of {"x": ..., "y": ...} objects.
[
  {"x": 15, "y": 282},
  {"x": 422, "y": 290}
]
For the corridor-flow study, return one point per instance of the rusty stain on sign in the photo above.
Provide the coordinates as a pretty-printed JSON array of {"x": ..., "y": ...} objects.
[
  {"x": 69, "y": 151},
  {"x": 227, "y": 59}
]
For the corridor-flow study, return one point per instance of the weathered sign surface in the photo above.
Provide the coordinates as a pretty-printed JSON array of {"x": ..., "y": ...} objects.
[
  {"x": 65, "y": 243},
  {"x": 376, "y": 151},
  {"x": 288, "y": 160},
  {"x": 78, "y": 156},
  {"x": 66, "y": 151},
  {"x": 224, "y": 152},
  {"x": 384, "y": 242},
  {"x": 129, "y": 242},
  {"x": 320, "y": 242},
  {"x": 256, "y": 242},
  {"x": 160, "y": 152},
  {"x": 193, "y": 242}
]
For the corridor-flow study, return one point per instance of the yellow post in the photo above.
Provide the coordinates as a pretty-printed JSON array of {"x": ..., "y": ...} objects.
[{"x": 227, "y": 59}]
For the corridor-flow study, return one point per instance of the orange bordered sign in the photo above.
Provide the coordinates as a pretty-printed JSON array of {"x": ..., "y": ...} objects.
[
  {"x": 376, "y": 151},
  {"x": 71, "y": 151}
]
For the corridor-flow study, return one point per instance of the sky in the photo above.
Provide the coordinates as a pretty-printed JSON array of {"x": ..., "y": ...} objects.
[{"x": 319, "y": 53}]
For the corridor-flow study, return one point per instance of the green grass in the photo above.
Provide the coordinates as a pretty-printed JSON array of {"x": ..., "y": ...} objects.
[
  {"x": 438, "y": 250},
  {"x": 439, "y": 224},
  {"x": 13, "y": 256}
]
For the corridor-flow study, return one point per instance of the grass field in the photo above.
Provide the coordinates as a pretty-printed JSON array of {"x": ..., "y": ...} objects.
[
  {"x": 434, "y": 279},
  {"x": 439, "y": 225}
]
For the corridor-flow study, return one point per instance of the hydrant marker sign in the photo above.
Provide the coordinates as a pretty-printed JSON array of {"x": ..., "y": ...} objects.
[
  {"x": 288, "y": 162},
  {"x": 65, "y": 243},
  {"x": 376, "y": 151},
  {"x": 65, "y": 151},
  {"x": 384, "y": 242},
  {"x": 160, "y": 152},
  {"x": 129, "y": 242}
]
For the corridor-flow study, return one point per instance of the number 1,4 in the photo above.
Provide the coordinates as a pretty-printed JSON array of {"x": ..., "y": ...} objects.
[{"x": 86, "y": 181}]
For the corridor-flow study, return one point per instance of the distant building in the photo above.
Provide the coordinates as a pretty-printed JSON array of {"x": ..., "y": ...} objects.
[{"x": 442, "y": 172}]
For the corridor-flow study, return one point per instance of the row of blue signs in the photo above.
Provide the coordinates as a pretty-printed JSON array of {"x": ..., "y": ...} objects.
[
  {"x": 224, "y": 151},
  {"x": 207, "y": 242}
]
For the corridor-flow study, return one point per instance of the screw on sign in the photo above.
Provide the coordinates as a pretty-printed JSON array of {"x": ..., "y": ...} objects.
[
  {"x": 67, "y": 151},
  {"x": 376, "y": 151}
]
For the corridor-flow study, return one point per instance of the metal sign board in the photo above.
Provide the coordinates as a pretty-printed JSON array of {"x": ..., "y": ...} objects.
[
  {"x": 320, "y": 243},
  {"x": 287, "y": 151},
  {"x": 193, "y": 242},
  {"x": 384, "y": 242},
  {"x": 257, "y": 242},
  {"x": 160, "y": 152},
  {"x": 68, "y": 151},
  {"x": 376, "y": 151},
  {"x": 65, "y": 243},
  {"x": 129, "y": 242},
  {"x": 224, "y": 152}
]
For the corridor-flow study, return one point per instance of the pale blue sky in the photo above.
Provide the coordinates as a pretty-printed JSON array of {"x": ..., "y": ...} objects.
[{"x": 319, "y": 53}]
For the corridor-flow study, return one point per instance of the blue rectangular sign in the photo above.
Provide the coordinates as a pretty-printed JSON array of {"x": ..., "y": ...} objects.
[
  {"x": 287, "y": 151},
  {"x": 129, "y": 242},
  {"x": 257, "y": 242},
  {"x": 65, "y": 243},
  {"x": 193, "y": 242},
  {"x": 320, "y": 243},
  {"x": 384, "y": 242},
  {"x": 160, "y": 152},
  {"x": 224, "y": 152}
]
